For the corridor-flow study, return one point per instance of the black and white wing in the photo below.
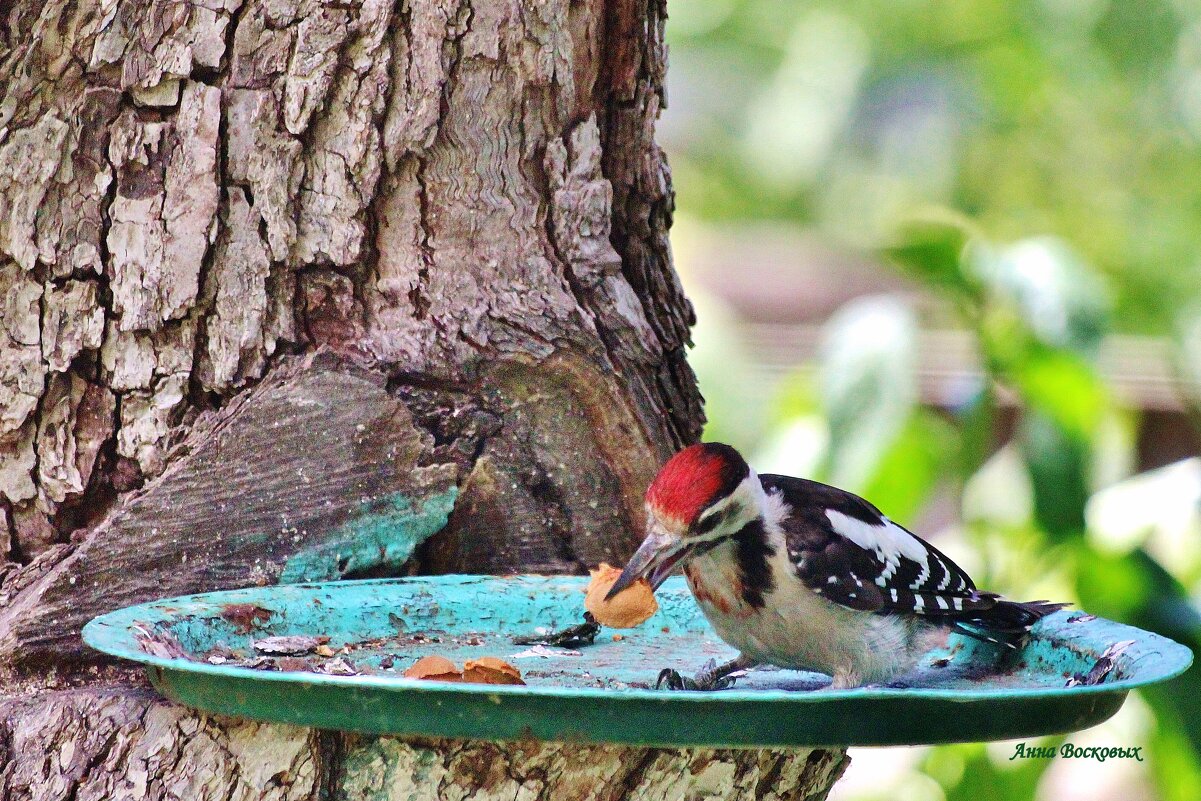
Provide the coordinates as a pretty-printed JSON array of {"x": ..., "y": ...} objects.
[{"x": 848, "y": 552}]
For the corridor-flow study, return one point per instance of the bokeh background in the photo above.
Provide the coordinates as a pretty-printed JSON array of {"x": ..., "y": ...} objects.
[{"x": 947, "y": 254}]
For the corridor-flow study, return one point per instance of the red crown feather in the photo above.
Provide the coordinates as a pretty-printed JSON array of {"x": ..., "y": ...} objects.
[{"x": 687, "y": 483}]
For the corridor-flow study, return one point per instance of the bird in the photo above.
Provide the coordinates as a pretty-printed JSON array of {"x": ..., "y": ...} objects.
[{"x": 802, "y": 575}]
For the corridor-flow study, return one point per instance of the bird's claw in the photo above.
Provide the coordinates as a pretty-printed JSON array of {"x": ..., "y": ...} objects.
[
  {"x": 708, "y": 679},
  {"x": 673, "y": 680}
]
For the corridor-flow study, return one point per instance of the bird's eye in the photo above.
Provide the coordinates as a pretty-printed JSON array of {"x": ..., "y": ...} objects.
[{"x": 718, "y": 518}]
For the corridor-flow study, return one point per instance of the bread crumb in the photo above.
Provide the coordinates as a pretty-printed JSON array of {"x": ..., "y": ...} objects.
[{"x": 630, "y": 607}]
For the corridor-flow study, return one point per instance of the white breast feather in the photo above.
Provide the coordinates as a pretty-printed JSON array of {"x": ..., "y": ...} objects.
[{"x": 775, "y": 509}]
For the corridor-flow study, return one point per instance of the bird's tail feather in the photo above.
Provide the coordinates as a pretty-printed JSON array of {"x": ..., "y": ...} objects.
[
  {"x": 1014, "y": 617},
  {"x": 1005, "y": 621}
]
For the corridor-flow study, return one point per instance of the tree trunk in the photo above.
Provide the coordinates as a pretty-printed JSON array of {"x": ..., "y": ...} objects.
[{"x": 272, "y": 270}]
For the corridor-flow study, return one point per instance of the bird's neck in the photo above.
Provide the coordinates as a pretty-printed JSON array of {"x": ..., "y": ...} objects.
[
  {"x": 735, "y": 571},
  {"x": 754, "y": 546},
  {"x": 753, "y": 550}
]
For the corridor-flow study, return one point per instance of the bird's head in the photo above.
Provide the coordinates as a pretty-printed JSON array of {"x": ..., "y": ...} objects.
[{"x": 703, "y": 495}]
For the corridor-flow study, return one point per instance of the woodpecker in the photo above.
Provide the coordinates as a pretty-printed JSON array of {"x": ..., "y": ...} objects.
[{"x": 802, "y": 575}]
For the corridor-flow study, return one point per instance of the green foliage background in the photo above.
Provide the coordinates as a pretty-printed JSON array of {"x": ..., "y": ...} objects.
[{"x": 1036, "y": 163}]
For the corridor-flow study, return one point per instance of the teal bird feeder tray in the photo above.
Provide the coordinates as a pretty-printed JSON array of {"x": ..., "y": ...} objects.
[{"x": 331, "y": 655}]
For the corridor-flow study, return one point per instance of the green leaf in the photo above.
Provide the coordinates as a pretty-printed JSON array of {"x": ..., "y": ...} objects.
[
  {"x": 912, "y": 466},
  {"x": 722, "y": 364},
  {"x": 1059, "y": 466},
  {"x": 1064, "y": 387},
  {"x": 977, "y": 430},
  {"x": 1110, "y": 586},
  {"x": 931, "y": 246}
]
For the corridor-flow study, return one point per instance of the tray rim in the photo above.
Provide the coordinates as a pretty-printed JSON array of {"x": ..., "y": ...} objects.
[{"x": 111, "y": 633}]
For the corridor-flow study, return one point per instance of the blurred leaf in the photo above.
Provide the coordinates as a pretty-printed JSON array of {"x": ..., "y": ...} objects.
[
  {"x": 912, "y": 466},
  {"x": 1059, "y": 298},
  {"x": 1165, "y": 607},
  {"x": 796, "y": 396},
  {"x": 797, "y": 437},
  {"x": 982, "y": 778},
  {"x": 1109, "y": 586},
  {"x": 1043, "y": 316},
  {"x": 1079, "y": 120},
  {"x": 977, "y": 430},
  {"x": 931, "y": 247},
  {"x": 868, "y": 385},
  {"x": 1136, "y": 588},
  {"x": 1058, "y": 467},
  {"x": 1173, "y": 757},
  {"x": 1064, "y": 387},
  {"x": 1138, "y": 36},
  {"x": 999, "y": 496}
]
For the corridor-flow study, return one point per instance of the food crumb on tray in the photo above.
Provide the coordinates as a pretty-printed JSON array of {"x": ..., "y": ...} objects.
[
  {"x": 485, "y": 670},
  {"x": 629, "y": 608}
]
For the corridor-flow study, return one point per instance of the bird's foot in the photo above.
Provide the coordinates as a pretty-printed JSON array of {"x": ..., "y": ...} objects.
[{"x": 711, "y": 677}]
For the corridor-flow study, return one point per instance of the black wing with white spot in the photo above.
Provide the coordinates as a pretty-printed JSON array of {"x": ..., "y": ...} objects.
[{"x": 848, "y": 552}]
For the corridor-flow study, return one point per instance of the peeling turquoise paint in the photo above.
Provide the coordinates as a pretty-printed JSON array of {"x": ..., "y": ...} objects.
[{"x": 385, "y": 535}]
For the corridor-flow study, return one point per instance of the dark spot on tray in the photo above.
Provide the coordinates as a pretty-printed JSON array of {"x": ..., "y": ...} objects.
[
  {"x": 245, "y": 617},
  {"x": 1101, "y": 670}
]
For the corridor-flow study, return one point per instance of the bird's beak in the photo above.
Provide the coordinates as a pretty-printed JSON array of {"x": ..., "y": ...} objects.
[{"x": 655, "y": 559}]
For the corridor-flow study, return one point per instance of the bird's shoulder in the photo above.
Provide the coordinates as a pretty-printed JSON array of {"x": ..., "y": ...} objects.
[
  {"x": 847, "y": 551},
  {"x": 809, "y": 504}
]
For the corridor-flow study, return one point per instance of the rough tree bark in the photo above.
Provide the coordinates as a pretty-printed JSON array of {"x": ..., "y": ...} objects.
[{"x": 270, "y": 269}]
